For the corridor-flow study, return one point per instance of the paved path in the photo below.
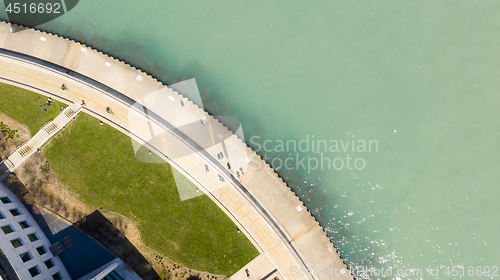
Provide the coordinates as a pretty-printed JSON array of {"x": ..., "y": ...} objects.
[
  {"x": 262, "y": 206},
  {"x": 21, "y": 154},
  {"x": 260, "y": 268}
]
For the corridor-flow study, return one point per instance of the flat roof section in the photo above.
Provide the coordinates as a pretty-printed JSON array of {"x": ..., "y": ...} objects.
[{"x": 90, "y": 255}]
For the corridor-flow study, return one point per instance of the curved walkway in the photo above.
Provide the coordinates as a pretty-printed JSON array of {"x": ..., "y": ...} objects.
[{"x": 268, "y": 212}]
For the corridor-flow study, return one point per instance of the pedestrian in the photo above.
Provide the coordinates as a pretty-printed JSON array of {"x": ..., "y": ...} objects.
[{"x": 83, "y": 103}]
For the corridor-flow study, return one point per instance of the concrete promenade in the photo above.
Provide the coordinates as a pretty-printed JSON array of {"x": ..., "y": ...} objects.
[{"x": 263, "y": 207}]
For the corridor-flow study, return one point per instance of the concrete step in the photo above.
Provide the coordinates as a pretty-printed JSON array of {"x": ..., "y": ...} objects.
[
  {"x": 69, "y": 112},
  {"x": 26, "y": 150},
  {"x": 50, "y": 128}
]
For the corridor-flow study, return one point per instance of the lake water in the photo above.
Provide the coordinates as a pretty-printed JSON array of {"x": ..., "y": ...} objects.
[{"x": 417, "y": 81}]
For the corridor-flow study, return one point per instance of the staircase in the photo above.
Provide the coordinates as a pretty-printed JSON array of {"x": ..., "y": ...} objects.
[
  {"x": 25, "y": 150},
  {"x": 50, "y": 128},
  {"x": 5, "y": 167},
  {"x": 69, "y": 112},
  {"x": 46, "y": 132}
]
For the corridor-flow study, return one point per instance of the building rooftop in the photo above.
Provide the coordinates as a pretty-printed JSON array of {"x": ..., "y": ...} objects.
[{"x": 24, "y": 246}]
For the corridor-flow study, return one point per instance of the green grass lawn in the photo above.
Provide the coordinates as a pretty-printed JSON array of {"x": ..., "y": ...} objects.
[
  {"x": 22, "y": 105},
  {"x": 90, "y": 157}
]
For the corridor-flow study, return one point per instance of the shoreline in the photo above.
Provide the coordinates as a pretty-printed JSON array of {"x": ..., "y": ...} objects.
[{"x": 263, "y": 184}]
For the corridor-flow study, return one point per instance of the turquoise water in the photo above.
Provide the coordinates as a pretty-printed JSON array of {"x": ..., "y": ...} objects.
[{"x": 344, "y": 70}]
